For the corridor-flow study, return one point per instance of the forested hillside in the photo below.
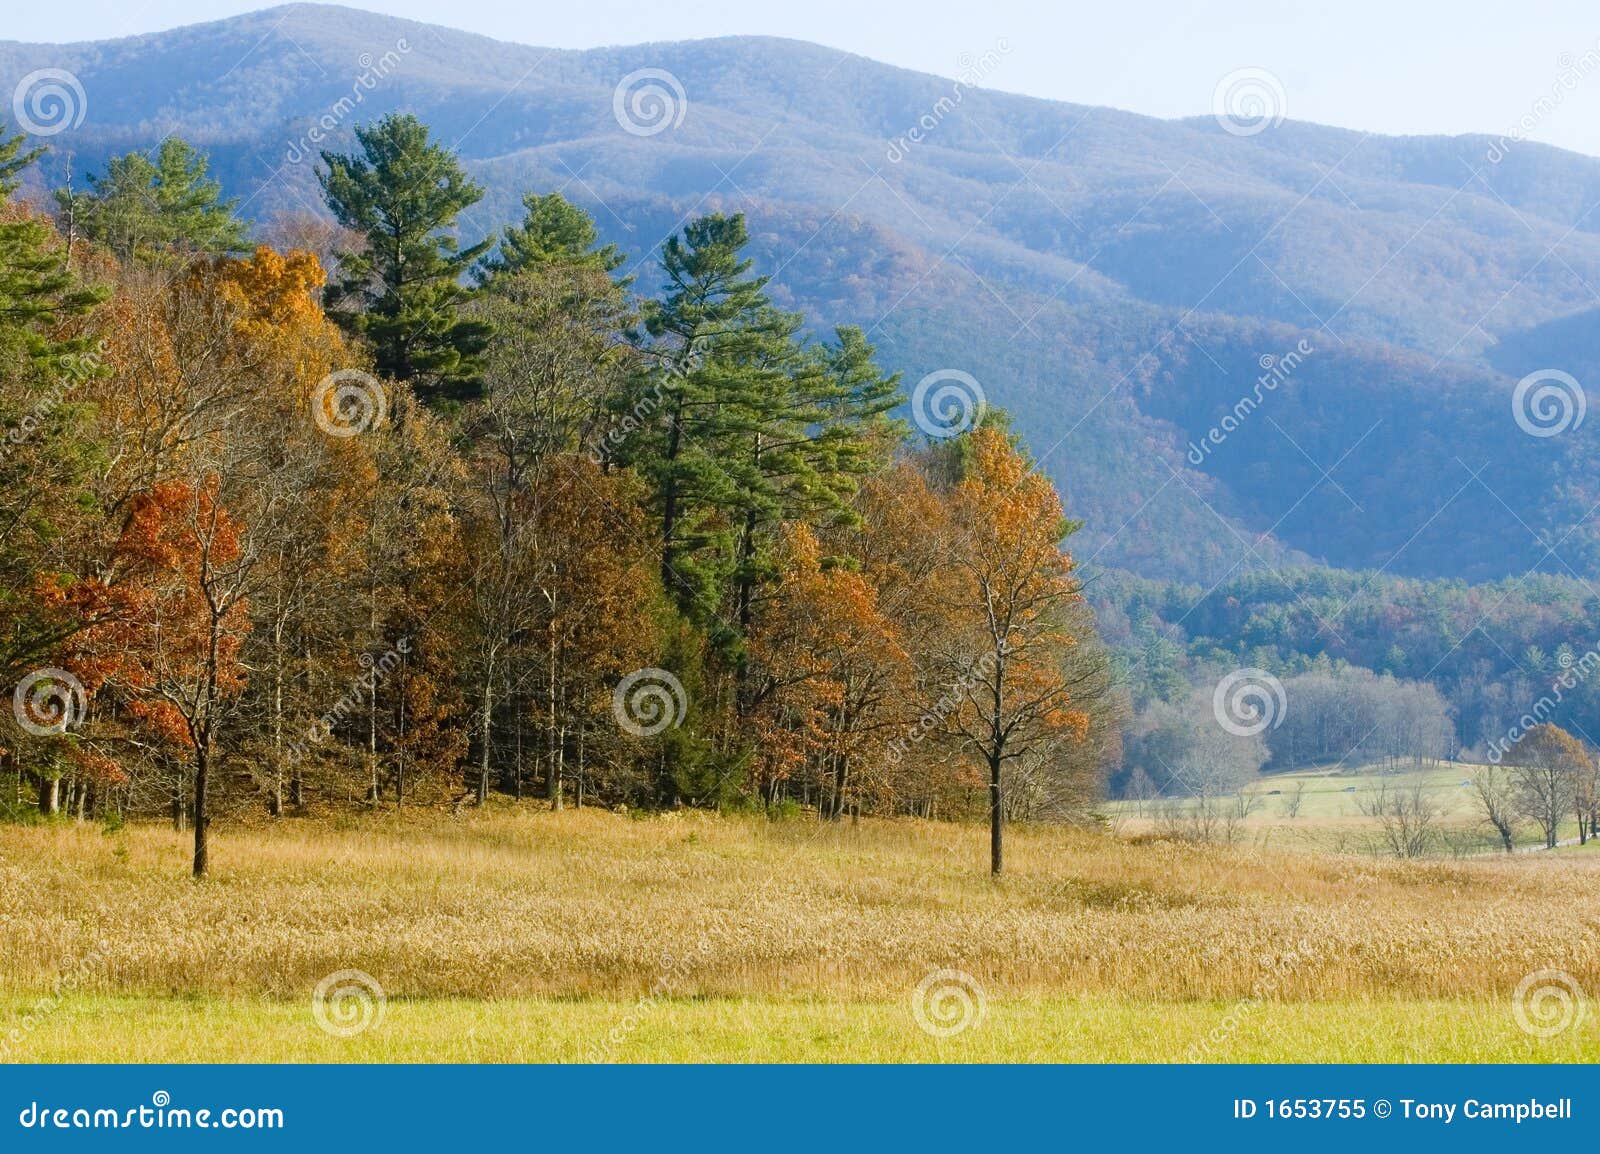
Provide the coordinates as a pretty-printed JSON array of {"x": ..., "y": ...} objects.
[{"x": 1115, "y": 281}]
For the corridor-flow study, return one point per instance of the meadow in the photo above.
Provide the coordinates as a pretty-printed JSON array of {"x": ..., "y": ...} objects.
[{"x": 520, "y": 934}]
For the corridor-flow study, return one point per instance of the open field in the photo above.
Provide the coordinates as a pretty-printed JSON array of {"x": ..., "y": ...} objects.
[
  {"x": 1330, "y": 818},
  {"x": 530, "y": 935}
]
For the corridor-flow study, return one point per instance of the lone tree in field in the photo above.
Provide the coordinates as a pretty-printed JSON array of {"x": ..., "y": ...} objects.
[
  {"x": 401, "y": 289},
  {"x": 1010, "y": 588},
  {"x": 1548, "y": 765}
]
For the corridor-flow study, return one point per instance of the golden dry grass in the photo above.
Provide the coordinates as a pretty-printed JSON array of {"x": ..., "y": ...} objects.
[{"x": 590, "y": 905}]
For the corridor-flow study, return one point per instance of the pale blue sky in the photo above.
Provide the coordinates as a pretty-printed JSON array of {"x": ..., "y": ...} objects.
[{"x": 1381, "y": 65}]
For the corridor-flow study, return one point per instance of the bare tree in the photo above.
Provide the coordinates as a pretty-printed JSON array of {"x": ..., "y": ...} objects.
[
  {"x": 1495, "y": 793},
  {"x": 1406, "y": 816},
  {"x": 1294, "y": 799}
]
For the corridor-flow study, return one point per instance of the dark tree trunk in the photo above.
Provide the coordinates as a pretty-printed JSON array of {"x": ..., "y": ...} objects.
[
  {"x": 996, "y": 819},
  {"x": 201, "y": 850}
]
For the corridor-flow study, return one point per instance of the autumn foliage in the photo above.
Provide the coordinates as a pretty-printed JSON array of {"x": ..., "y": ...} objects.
[{"x": 274, "y": 603}]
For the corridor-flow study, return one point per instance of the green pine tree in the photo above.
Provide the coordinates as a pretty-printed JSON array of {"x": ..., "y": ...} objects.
[
  {"x": 402, "y": 288},
  {"x": 553, "y": 229},
  {"x": 152, "y": 210},
  {"x": 748, "y": 426},
  {"x": 37, "y": 289}
]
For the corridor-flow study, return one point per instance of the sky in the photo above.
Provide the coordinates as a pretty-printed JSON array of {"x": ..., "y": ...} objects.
[{"x": 1529, "y": 70}]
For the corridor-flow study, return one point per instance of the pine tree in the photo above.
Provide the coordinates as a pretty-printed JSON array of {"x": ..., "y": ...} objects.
[
  {"x": 149, "y": 210},
  {"x": 554, "y": 230},
  {"x": 402, "y": 289},
  {"x": 36, "y": 287}
]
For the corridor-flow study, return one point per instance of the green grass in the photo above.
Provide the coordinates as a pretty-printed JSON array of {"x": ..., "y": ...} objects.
[{"x": 761, "y": 1030}]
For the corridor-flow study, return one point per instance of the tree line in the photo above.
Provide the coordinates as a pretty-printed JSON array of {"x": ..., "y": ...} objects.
[{"x": 351, "y": 513}]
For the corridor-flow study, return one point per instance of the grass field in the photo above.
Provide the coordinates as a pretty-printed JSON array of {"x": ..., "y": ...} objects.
[
  {"x": 527, "y": 935},
  {"x": 1330, "y": 817}
]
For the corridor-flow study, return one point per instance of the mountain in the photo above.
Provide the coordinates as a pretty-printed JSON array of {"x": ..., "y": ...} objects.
[{"x": 1350, "y": 313}]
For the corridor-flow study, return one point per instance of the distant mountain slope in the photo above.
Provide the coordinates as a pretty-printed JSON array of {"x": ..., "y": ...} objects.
[{"x": 1114, "y": 279}]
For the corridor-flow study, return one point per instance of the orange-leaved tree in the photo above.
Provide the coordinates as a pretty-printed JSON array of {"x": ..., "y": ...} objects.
[
  {"x": 178, "y": 658},
  {"x": 1011, "y": 587}
]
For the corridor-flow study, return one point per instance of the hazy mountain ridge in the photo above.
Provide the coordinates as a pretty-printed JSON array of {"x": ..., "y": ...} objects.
[{"x": 1113, "y": 278}]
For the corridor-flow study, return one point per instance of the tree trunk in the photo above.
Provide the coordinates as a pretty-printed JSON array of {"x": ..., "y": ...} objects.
[
  {"x": 996, "y": 818},
  {"x": 49, "y": 795},
  {"x": 555, "y": 729},
  {"x": 201, "y": 774},
  {"x": 487, "y": 718},
  {"x": 275, "y": 803}
]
